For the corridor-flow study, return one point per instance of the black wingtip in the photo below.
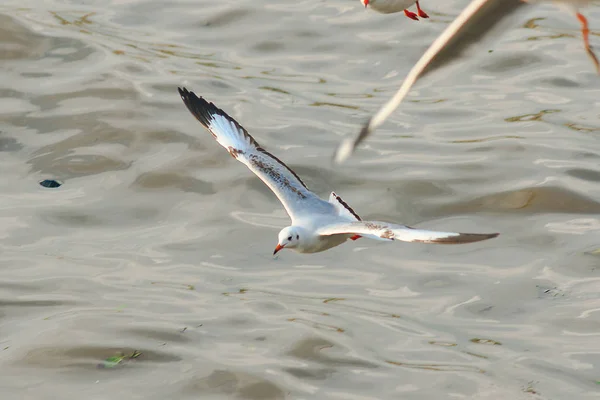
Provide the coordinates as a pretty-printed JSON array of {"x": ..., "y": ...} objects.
[
  {"x": 475, "y": 237},
  {"x": 205, "y": 112},
  {"x": 199, "y": 107},
  {"x": 364, "y": 132},
  {"x": 348, "y": 146},
  {"x": 186, "y": 95},
  {"x": 486, "y": 236},
  {"x": 465, "y": 238}
]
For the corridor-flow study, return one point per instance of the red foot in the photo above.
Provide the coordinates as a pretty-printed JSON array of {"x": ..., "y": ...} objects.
[
  {"x": 411, "y": 15},
  {"x": 355, "y": 237},
  {"x": 422, "y": 13},
  {"x": 585, "y": 31}
]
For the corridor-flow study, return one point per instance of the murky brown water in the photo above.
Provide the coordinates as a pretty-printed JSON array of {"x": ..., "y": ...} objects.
[{"x": 160, "y": 242}]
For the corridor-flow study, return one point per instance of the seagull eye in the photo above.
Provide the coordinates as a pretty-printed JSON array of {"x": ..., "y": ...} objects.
[
  {"x": 289, "y": 238},
  {"x": 297, "y": 237}
]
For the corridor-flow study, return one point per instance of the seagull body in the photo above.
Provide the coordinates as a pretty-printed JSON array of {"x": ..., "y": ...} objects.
[
  {"x": 479, "y": 20},
  {"x": 394, "y": 6},
  {"x": 317, "y": 225}
]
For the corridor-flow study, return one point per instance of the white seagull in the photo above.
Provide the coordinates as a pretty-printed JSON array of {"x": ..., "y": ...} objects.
[
  {"x": 392, "y": 6},
  {"x": 479, "y": 20},
  {"x": 317, "y": 225}
]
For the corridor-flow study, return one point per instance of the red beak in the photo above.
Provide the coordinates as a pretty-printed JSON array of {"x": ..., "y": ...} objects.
[
  {"x": 366, "y": 3},
  {"x": 279, "y": 247}
]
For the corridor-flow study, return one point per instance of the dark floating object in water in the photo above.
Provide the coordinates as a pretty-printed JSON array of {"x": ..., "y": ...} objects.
[{"x": 51, "y": 183}]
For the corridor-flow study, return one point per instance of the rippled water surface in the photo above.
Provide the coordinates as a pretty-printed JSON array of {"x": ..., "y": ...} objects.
[{"x": 149, "y": 275}]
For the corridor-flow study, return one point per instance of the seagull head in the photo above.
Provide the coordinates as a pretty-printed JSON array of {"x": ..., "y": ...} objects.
[
  {"x": 289, "y": 238},
  {"x": 365, "y": 3}
]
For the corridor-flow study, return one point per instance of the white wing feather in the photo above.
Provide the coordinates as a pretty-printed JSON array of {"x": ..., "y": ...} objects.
[
  {"x": 343, "y": 209},
  {"x": 287, "y": 186},
  {"x": 404, "y": 233},
  {"x": 475, "y": 21}
]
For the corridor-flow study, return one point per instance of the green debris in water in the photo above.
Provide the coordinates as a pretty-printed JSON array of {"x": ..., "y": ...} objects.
[
  {"x": 174, "y": 285},
  {"x": 119, "y": 359},
  {"x": 332, "y": 299},
  {"x": 486, "y": 341}
]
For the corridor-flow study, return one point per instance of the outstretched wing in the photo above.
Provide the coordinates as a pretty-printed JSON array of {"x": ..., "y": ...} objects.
[
  {"x": 474, "y": 22},
  {"x": 342, "y": 207},
  {"x": 287, "y": 186},
  {"x": 404, "y": 233}
]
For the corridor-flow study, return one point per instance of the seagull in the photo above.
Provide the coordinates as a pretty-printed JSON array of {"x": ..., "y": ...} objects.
[
  {"x": 392, "y": 6},
  {"x": 479, "y": 20},
  {"x": 317, "y": 225}
]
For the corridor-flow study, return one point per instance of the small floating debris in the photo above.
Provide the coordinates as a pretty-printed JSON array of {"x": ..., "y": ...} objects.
[
  {"x": 595, "y": 252},
  {"x": 51, "y": 183},
  {"x": 485, "y": 341},
  {"x": 119, "y": 359}
]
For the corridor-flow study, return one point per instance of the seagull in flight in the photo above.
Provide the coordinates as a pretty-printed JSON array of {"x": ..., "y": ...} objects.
[
  {"x": 392, "y": 6},
  {"x": 317, "y": 225},
  {"x": 481, "y": 19}
]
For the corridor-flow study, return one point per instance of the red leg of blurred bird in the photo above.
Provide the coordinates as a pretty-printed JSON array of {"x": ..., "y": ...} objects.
[
  {"x": 421, "y": 13},
  {"x": 585, "y": 31},
  {"x": 411, "y": 15},
  {"x": 355, "y": 237}
]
